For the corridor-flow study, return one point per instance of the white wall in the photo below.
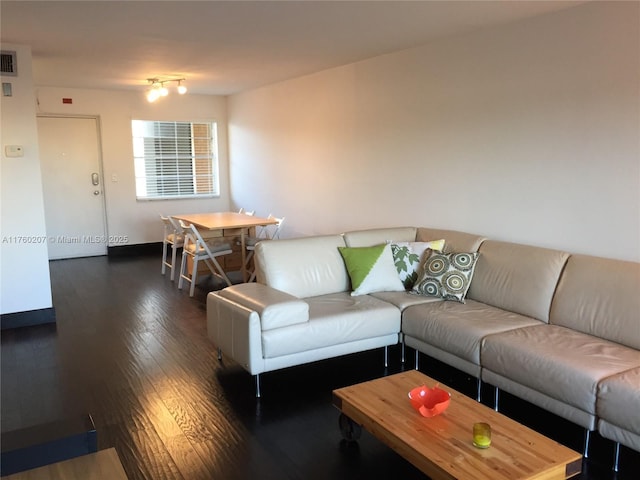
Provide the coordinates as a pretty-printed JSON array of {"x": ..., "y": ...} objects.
[
  {"x": 527, "y": 132},
  {"x": 138, "y": 220},
  {"x": 24, "y": 265}
]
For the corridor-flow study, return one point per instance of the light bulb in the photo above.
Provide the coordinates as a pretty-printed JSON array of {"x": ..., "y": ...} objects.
[
  {"x": 158, "y": 89},
  {"x": 152, "y": 95}
]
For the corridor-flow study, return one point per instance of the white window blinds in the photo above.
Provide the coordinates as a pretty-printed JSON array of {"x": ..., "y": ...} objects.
[{"x": 175, "y": 159}]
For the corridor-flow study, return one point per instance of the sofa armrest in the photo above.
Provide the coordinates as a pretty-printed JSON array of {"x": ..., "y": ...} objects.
[
  {"x": 236, "y": 331},
  {"x": 276, "y": 308}
]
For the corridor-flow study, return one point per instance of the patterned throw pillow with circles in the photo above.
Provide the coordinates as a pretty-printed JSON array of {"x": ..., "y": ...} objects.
[{"x": 447, "y": 275}]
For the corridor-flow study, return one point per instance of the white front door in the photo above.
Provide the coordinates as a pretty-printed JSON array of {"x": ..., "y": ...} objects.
[{"x": 73, "y": 186}]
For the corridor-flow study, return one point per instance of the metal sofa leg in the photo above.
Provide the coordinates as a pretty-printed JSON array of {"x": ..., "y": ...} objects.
[
  {"x": 587, "y": 438},
  {"x": 496, "y": 399},
  {"x": 417, "y": 360},
  {"x": 616, "y": 457},
  {"x": 479, "y": 389},
  {"x": 386, "y": 356},
  {"x": 257, "y": 385}
]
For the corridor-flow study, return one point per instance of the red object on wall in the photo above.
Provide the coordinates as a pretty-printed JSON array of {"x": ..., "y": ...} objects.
[{"x": 67, "y": 100}]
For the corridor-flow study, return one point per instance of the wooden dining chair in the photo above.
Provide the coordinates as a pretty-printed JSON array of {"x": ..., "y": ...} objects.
[
  {"x": 266, "y": 232},
  {"x": 198, "y": 249},
  {"x": 173, "y": 236}
]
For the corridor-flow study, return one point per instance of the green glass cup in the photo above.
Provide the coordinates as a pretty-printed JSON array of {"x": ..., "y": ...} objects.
[{"x": 481, "y": 435}]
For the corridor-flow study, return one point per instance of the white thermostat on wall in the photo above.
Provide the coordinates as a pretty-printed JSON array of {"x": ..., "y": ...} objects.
[{"x": 14, "y": 151}]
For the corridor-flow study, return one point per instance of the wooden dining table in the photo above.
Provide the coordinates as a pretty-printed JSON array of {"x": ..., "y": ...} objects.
[{"x": 219, "y": 221}]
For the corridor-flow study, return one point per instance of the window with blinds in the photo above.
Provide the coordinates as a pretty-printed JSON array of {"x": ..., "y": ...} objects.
[{"x": 175, "y": 159}]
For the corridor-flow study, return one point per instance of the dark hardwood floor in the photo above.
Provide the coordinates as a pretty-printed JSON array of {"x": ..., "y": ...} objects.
[{"x": 131, "y": 349}]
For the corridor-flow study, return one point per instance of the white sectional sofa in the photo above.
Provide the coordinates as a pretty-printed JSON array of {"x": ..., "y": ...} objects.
[
  {"x": 299, "y": 310},
  {"x": 561, "y": 331}
]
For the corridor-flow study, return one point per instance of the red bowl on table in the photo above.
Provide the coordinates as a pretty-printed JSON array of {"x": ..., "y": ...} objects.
[{"x": 429, "y": 401}]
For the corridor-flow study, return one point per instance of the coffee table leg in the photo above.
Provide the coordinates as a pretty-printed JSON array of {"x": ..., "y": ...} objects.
[{"x": 350, "y": 430}]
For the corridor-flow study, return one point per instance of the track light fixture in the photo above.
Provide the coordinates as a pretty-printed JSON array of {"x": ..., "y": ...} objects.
[{"x": 157, "y": 87}]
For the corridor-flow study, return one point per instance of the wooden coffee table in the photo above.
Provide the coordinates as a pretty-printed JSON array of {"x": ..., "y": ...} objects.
[{"x": 441, "y": 446}]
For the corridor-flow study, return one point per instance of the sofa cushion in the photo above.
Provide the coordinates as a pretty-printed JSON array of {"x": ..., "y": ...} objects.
[
  {"x": 404, "y": 300},
  {"x": 459, "y": 328},
  {"x": 371, "y": 269},
  {"x": 409, "y": 256},
  {"x": 454, "y": 241},
  {"x": 618, "y": 397},
  {"x": 559, "y": 362},
  {"x": 333, "y": 319},
  {"x": 599, "y": 296},
  {"x": 518, "y": 278},
  {"x": 303, "y": 267},
  {"x": 276, "y": 308},
  {"x": 376, "y": 236},
  {"x": 446, "y": 275},
  {"x": 619, "y": 434}
]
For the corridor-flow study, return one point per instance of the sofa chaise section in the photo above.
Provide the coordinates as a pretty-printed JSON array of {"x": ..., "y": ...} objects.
[
  {"x": 593, "y": 334},
  {"x": 299, "y": 311},
  {"x": 555, "y": 368}
]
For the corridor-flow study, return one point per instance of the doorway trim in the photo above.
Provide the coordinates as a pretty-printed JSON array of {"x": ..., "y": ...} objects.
[{"x": 105, "y": 223}]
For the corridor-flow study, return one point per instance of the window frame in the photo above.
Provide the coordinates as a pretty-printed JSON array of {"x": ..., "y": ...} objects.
[{"x": 174, "y": 160}]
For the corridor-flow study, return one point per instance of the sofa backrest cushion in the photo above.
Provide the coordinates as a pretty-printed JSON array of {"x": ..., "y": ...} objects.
[
  {"x": 303, "y": 267},
  {"x": 377, "y": 236},
  {"x": 454, "y": 241},
  {"x": 600, "y": 297},
  {"x": 518, "y": 278}
]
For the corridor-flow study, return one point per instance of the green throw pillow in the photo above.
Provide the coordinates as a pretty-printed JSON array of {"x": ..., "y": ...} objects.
[
  {"x": 371, "y": 269},
  {"x": 447, "y": 275},
  {"x": 408, "y": 256}
]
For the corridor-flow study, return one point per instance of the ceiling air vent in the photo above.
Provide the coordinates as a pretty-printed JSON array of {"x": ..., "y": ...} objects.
[{"x": 8, "y": 63}]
